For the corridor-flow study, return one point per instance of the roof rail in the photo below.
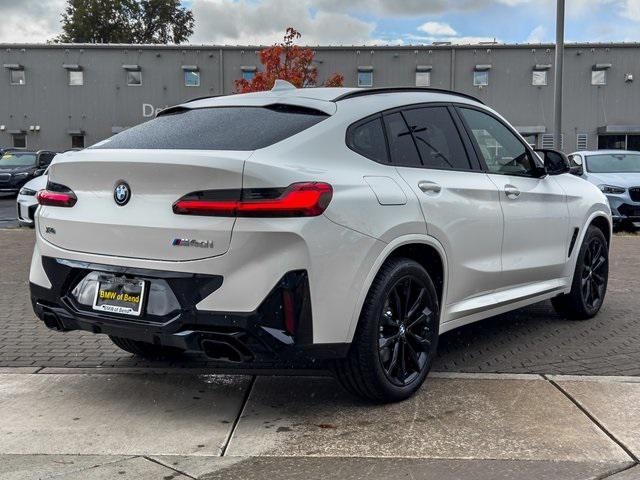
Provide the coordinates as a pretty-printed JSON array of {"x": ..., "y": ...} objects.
[{"x": 373, "y": 91}]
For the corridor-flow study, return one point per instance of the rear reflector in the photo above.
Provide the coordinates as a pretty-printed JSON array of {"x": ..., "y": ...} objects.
[
  {"x": 56, "y": 199},
  {"x": 287, "y": 310},
  {"x": 307, "y": 199}
]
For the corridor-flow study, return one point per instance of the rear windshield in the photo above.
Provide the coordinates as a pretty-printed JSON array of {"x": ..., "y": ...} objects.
[{"x": 219, "y": 128}]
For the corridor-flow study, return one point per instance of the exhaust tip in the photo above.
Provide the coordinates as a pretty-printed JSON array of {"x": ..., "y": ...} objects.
[
  {"x": 52, "y": 321},
  {"x": 225, "y": 351}
]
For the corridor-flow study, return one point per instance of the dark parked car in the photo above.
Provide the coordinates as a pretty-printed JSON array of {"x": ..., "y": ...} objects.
[{"x": 17, "y": 167}]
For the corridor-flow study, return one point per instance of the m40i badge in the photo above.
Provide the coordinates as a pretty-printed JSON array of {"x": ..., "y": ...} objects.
[{"x": 189, "y": 242}]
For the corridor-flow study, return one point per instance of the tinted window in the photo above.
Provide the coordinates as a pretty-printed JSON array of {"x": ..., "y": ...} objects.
[
  {"x": 614, "y": 163},
  {"x": 368, "y": 140},
  {"x": 220, "y": 128},
  {"x": 401, "y": 145},
  {"x": 502, "y": 151},
  {"x": 437, "y": 138},
  {"x": 16, "y": 159},
  {"x": 45, "y": 158}
]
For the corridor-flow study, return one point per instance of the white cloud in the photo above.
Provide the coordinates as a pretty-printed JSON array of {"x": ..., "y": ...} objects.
[
  {"x": 537, "y": 35},
  {"x": 249, "y": 23},
  {"x": 458, "y": 40},
  {"x": 410, "y": 8},
  {"x": 437, "y": 29},
  {"x": 345, "y": 22},
  {"x": 631, "y": 9},
  {"x": 28, "y": 21}
]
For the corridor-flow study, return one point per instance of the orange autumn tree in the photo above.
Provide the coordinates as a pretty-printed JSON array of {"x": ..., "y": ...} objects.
[{"x": 286, "y": 61}]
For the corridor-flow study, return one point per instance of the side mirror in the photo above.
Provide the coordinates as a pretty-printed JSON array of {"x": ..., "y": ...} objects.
[
  {"x": 576, "y": 165},
  {"x": 38, "y": 172},
  {"x": 555, "y": 162}
]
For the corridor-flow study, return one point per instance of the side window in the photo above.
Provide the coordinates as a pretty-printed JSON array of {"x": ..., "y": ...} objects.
[
  {"x": 437, "y": 138},
  {"x": 502, "y": 151},
  {"x": 368, "y": 140},
  {"x": 47, "y": 157},
  {"x": 401, "y": 145}
]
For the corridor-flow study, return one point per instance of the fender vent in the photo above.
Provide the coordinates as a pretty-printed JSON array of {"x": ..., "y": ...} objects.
[{"x": 573, "y": 241}]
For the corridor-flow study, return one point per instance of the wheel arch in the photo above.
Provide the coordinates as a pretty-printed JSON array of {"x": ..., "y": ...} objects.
[
  {"x": 425, "y": 250},
  {"x": 602, "y": 222}
]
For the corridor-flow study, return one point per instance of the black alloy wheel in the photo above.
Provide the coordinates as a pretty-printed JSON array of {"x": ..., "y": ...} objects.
[
  {"x": 405, "y": 338},
  {"x": 590, "y": 278},
  {"x": 593, "y": 282},
  {"x": 397, "y": 334}
]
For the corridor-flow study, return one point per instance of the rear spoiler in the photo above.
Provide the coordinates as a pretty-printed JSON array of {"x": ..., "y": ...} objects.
[{"x": 323, "y": 106}]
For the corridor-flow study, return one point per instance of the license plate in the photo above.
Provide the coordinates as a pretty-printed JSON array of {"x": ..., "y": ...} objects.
[{"x": 119, "y": 295}]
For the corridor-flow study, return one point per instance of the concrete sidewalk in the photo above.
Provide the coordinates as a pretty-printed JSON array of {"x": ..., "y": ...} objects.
[{"x": 66, "y": 424}]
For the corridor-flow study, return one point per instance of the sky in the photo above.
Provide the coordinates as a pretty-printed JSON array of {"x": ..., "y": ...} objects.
[{"x": 366, "y": 22}]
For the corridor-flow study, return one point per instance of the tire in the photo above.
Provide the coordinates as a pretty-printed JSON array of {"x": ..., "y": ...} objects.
[
  {"x": 146, "y": 350},
  {"x": 590, "y": 279},
  {"x": 393, "y": 324}
]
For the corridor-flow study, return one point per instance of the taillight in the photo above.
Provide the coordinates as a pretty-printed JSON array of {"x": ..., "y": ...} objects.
[
  {"x": 57, "y": 195},
  {"x": 307, "y": 199}
]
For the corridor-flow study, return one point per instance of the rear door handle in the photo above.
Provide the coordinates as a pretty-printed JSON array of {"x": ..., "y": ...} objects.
[
  {"x": 429, "y": 187},
  {"x": 511, "y": 192}
]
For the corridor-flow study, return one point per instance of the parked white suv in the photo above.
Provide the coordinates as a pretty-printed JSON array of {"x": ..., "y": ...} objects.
[{"x": 340, "y": 227}]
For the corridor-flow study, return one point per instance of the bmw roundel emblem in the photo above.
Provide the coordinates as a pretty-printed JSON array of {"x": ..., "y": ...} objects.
[{"x": 122, "y": 193}]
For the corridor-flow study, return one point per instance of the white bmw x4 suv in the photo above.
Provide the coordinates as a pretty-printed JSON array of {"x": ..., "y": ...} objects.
[{"x": 339, "y": 227}]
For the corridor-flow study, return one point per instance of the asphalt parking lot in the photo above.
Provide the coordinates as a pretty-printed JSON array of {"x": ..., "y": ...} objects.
[
  {"x": 530, "y": 340},
  {"x": 8, "y": 211}
]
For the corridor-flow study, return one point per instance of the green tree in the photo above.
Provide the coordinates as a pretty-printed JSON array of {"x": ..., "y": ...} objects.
[{"x": 125, "y": 21}]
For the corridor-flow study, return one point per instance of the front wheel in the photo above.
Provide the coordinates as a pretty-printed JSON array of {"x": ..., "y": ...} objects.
[
  {"x": 396, "y": 337},
  {"x": 589, "y": 279}
]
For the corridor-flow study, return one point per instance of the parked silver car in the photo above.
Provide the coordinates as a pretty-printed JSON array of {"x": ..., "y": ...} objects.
[{"x": 617, "y": 174}]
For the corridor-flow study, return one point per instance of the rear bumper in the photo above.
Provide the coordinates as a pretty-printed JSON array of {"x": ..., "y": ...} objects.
[{"x": 258, "y": 338}]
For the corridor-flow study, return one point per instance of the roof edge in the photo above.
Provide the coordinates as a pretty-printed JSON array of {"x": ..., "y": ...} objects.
[{"x": 107, "y": 46}]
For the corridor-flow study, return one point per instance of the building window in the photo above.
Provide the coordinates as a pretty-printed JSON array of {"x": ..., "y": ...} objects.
[
  {"x": 134, "y": 77},
  {"x": 423, "y": 79},
  {"x": 539, "y": 78},
  {"x": 619, "y": 142},
  {"x": 248, "y": 75},
  {"x": 191, "y": 78},
  {"x": 19, "y": 140},
  {"x": 17, "y": 77},
  {"x": 76, "y": 77},
  {"x": 480, "y": 78},
  {"x": 77, "y": 141},
  {"x": 598, "y": 77},
  {"x": 365, "y": 77}
]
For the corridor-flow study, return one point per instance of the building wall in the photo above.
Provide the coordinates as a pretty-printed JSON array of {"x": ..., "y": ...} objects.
[{"x": 105, "y": 103}]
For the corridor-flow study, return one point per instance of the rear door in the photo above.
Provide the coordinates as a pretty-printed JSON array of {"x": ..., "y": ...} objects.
[
  {"x": 536, "y": 220},
  {"x": 459, "y": 202}
]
